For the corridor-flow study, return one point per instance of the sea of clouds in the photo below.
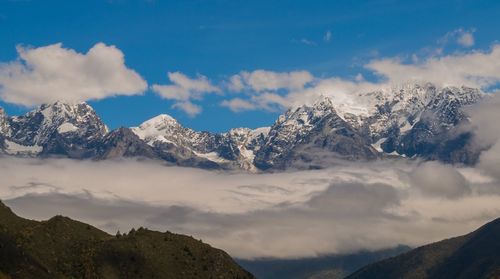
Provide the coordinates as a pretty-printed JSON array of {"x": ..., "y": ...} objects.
[{"x": 347, "y": 207}]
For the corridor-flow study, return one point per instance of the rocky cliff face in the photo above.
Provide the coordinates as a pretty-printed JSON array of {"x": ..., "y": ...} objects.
[
  {"x": 300, "y": 133},
  {"x": 432, "y": 132},
  {"x": 228, "y": 150},
  {"x": 124, "y": 143}
]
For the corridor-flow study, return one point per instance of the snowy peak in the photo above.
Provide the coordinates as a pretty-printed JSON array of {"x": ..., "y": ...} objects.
[
  {"x": 303, "y": 117},
  {"x": 463, "y": 95},
  {"x": 57, "y": 128},
  {"x": 159, "y": 122},
  {"x": 161, "y": 128},
  {"x": 323, "y": 104},
  {"x": 78, "y": 112},
  {"x": 58, "y": 113},
  {"x": 235, "y": 147}
]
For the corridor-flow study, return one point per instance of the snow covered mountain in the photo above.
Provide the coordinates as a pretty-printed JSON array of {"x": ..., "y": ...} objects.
[
  {"x": 301, "y": 133},
  {"x": 71, "y": 130},
  {"x": 412, "y": 120},
  {"x": 234, "y": 149}
]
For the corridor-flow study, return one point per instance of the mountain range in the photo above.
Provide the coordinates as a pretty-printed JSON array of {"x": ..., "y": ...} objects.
[{"x": 411, "y": 120}]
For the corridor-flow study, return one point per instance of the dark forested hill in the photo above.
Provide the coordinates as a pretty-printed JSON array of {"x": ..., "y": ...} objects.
[{"x": 64, "y": 248}]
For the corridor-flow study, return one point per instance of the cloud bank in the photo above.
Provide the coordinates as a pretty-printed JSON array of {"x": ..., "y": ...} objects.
[
  {"x": 51, "y": 73},
  {"x": 349, "y": 207}
]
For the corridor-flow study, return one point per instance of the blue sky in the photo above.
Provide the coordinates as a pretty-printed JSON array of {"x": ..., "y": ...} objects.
[{"x": 218, "y": 39}]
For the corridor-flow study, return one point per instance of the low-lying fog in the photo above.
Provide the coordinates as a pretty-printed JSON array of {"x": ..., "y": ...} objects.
[{"x": 347, "y": 207}]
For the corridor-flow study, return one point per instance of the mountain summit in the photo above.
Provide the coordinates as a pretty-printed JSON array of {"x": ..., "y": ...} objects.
[{"x": 71, "y": 130}]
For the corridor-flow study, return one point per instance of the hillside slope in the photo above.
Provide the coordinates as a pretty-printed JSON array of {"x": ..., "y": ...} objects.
[
  {"x": 64, "y": 248},
  {"x": 475, "y": 255}
]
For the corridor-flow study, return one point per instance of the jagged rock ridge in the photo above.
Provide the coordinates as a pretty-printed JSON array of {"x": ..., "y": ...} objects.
[{"x": 412, "y": 120}]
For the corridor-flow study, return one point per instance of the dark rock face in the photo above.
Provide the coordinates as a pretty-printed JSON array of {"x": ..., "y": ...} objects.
[
  {"x": 124, "y": 143},
  {"x": 298, "y": 135},
  {"x": 182, "y": 156},
  {"x": 475, "y": 255},
  {"x": 437, "y": 134}
]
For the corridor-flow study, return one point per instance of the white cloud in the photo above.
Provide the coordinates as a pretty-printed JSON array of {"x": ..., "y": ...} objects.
[
  {"x": 466, "y": 39},
  {"x": 476, "y": 69},
  {"x": 185, "y": 89},
  {"x": 436, "y": 180},
  {"x": 235, "y": 83},
  {"x": 484, "y": 118},
  {"x": 262, "y": 80},
  {"x": 50, "y": 73},
  {"x": 460, "y": 36},
  {"x": 238, "y": 104},
  {"x": 189, "y": 108},
  {"x": 349, "y": 207},
  {"x": 328, "y": 36}
]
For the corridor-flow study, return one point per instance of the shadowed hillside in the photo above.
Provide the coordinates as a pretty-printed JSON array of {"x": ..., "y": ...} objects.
[
  {"x": 64, "y": 248},
  {"x": 326, "y": 266},
  {"x": 475, "y": 255}
]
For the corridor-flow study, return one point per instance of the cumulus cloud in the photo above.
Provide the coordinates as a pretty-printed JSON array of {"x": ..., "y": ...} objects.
[
  {"x": 349, "y": 207},
  {"x": 235, "y": 83},
  {"x": 238, "y": 104},
  {"x": 262, "y": 80},
  {"x": 185, "y": 89},
  {"x": 189, "y": 108},
  {"x": 476, "y": 69},
  {"x": 50, "y": 73}
]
